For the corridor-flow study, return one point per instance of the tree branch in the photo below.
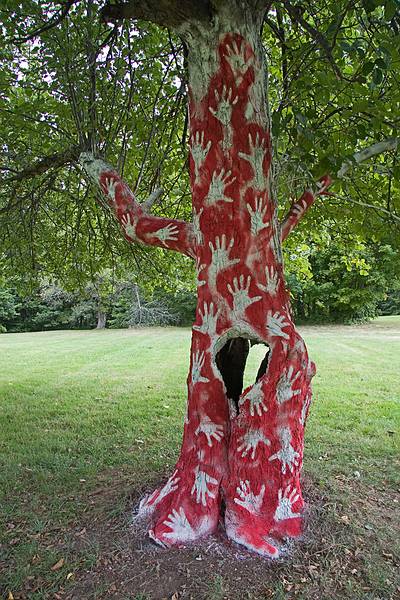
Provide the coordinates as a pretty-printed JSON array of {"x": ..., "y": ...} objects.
[
  {"x": 58, "y": 159},
  {"x": 371, "y": 151},
  {"x": 137, "y": 225},
  {"x": 54, "y": 21},
  {"x": 296, "y": 16},
  {"x": 299, "y": 207},
  {"x": 168, "y": 13}
]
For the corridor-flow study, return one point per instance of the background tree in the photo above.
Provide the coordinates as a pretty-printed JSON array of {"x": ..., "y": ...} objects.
[{"x": 248, "y": 450}]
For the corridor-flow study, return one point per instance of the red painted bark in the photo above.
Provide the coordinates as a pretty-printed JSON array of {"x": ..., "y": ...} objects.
[{"x": 247, "y": 456}]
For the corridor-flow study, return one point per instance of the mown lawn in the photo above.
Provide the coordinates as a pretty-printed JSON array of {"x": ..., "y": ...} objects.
[{"x": 88, "y": 420}]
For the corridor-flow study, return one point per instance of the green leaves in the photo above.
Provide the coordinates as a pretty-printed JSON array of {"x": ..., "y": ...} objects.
[{"x": 324, "y": 108}]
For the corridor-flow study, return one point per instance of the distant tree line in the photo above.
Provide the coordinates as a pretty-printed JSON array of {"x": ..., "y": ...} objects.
[
  {"x": 330, "y": 282},
  {"x": 51, "y": 308},
  {"x": 346, "y": 283}
]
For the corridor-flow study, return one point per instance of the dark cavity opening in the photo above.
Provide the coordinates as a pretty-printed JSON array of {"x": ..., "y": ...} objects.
[{"x": 231, "y": 361}]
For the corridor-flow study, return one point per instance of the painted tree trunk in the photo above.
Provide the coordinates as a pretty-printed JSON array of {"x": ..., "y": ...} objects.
[{"x": 242, "y": 449}]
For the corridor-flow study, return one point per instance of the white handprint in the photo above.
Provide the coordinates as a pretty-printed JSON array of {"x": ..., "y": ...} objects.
[
  {"x": 111, "y": 186},
  {"x": 200, "y": 486},
  {"x": 199, "y": 269},
  {"x": 225, "y": 105},
  {"x": 250, "y": 441},
  {"x": 276, "y": 323},
  {"x": 286, "y": 500},
  {"x": 219, "y": 182},
  {"x": 236, "y": 57},
  {"x": 199, "y": 151},
  {"x": 170, "y": 486},
  {"x": 223, "y": 113},
  {"x": 220, "y": 257},
  {"x": 129, "y": 225},
  {"x": 299, "y": 207},
  {"x": 148, "y": 504},
  {"x": 210, "y": 430},
  {"x": 257, "y": 215},
  {"x": 197, "y": 365},
  {"x": 240, "y": 294},
  {"x": 255, "y": 397},
  {"x": 181, "y": 530},
  {"x": 271, "y": 281},
  {"x": 209, "y": 319},
  {"x": 284, "y": 386},
  {"x": 247, "y": 499},
  {"x": 256, "y": 160},
  {"x": 198, "y": 235},
  {"x": 287, "y": 454},
  {"x": 169, "y": 233},
  {"x": 304, "y": 408}
]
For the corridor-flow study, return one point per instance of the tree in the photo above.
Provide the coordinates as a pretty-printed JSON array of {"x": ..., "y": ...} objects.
[{"x": 240, "y": 448}]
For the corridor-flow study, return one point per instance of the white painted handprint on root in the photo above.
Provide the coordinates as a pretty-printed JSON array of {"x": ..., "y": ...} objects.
[
  {"x": 201, "y": 486},
  {"x": 247, "y": 499},
  {"x": 181, "y": 530},
  {"x": 286, "y": 499}
]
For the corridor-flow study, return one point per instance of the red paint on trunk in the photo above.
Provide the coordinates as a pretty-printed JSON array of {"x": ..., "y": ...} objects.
[{"x": 251, "y": 459}]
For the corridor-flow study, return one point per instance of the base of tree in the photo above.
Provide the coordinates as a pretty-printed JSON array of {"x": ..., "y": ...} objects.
[{"x": 255, "y": 533}]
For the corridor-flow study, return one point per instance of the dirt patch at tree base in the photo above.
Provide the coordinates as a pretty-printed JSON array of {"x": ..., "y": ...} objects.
[{"x": 347, "y": 551}]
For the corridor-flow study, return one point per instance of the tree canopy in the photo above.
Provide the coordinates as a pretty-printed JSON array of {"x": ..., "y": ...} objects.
[{"x": 72, "y": 82}]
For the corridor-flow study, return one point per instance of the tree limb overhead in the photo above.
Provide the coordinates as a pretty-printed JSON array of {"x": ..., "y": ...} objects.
[
  {"x": 169, "y": 13},
  {"x": 58, "y": 159}
]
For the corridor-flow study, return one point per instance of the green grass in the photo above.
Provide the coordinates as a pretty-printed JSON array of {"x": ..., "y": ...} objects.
[{"x": 76, "y": 407}]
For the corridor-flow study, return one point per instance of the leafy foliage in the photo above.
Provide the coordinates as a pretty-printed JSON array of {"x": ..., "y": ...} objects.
[
  {"x": 121, "y": 90},
  {"x": 349, "y": 280}
]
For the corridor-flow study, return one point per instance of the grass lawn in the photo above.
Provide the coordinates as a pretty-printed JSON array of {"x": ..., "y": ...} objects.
[{"x": 89, "y": 420}]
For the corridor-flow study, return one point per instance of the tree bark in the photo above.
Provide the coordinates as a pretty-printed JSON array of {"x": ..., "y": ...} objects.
[{"x": 101, "y": 320}]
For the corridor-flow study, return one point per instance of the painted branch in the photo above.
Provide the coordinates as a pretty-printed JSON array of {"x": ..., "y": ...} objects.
[
  {"x": 137, "y": 224},
  {"x": 168, "y": 13},
  {"x": 300, "y": 207}
]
